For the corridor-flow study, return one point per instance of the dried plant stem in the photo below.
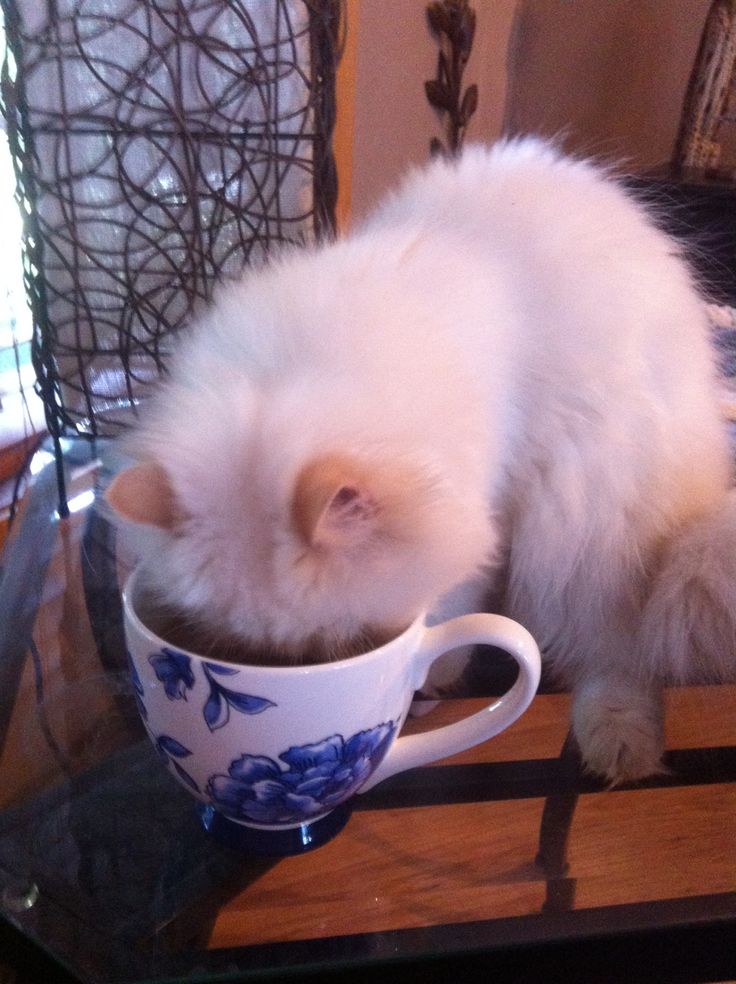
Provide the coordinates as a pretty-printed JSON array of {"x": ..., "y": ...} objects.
[{"x": 453, "y": 24}]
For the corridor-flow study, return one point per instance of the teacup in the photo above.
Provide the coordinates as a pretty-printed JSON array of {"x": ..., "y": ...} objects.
[{"x": 274, "y": 754}]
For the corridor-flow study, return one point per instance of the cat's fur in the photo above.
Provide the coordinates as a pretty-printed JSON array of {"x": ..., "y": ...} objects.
[{"x": 506, "y": 369}]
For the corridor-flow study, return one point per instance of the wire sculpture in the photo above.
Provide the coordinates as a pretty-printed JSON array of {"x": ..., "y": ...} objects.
[{"x": 158, "y": 148}]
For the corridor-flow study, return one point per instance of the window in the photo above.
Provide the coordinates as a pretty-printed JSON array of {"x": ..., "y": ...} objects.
[{"x": 20, "y": 410}]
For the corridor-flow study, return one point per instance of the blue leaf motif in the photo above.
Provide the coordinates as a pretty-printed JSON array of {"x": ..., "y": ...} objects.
[
  {"x": 167, "y": 747},
  {"x": 134, "y": 675},
  {"x": 318, "y": 777},
  {"x": 246, "y": 702},
  {"x": 138, "y": 688},
  {"x": 216, "y": 710},
  {"x": 213, "y": 710},
  {"x": 183, "y": 774},
  {"x": 172, "y": 747},
  {"x": 222, "y": 670}
]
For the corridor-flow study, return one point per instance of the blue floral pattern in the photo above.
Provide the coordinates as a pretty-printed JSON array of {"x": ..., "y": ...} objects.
[
  {"x": 174, "y": 670},
  {"x": 216, "y": 710},
  {"x": 302, "y": 783},
  {"x": 319, "y": 777}
]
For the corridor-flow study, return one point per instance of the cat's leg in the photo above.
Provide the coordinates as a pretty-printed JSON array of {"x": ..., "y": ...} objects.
[
  {"x": 617, "y": 721},
  {"x": 617, "y": 716},
  {"x": 679, "y": 626},
  {"x": 686, "y": 632},
  {"x": 583, "y": 601},
  {"x": 617, "y": 708}
]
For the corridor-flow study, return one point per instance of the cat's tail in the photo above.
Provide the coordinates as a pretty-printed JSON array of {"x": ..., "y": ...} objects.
[{"x": 688, "y": 630}]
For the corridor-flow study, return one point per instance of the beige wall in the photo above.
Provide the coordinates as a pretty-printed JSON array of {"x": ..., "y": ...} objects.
[
  {"x": 395, "y": 53},
  {"x": 610, "y": 73}
]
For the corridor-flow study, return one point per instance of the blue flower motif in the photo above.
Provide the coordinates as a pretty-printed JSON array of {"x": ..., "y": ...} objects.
[
  {"x": 216, "y": 710},
  {"x": 174, "y": 670},
  {"x": 318, "y": 777}
]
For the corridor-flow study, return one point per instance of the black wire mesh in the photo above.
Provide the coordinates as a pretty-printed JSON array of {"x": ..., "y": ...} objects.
[{"x": 158, "y": 147}]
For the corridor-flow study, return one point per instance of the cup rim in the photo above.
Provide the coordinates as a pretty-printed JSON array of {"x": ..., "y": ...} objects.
[{"x": 414, "y": 628}]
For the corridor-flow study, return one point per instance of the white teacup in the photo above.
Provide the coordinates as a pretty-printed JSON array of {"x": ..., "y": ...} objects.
[{"x": 274, "y": 753}]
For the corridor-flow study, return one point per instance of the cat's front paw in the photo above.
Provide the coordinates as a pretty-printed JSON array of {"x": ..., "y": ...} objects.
[{"x": 619, "y": 730}]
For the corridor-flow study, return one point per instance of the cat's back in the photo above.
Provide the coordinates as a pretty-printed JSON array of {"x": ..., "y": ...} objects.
[
  {"x": 525, "y": 202},
  {"x": 605, "y": 314},
  {"x": 579, "y": 254}
]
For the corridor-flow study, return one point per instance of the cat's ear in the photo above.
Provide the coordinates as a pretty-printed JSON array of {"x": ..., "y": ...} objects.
[
  {"x": 143, "y": 494},
  {"x": 338, "y": 502}
]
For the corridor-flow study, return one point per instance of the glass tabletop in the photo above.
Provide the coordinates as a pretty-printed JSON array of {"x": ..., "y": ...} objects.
[{"x": 500, "y": 850}]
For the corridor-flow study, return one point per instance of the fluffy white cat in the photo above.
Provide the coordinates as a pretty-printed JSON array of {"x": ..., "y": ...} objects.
[{"x": 501, "y": 382}]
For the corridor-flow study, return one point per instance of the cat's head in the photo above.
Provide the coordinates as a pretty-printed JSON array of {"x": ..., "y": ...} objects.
[{"x": 315, "y": 555}]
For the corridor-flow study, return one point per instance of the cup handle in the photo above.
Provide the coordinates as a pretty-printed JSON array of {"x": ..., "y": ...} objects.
[{"x": 493, "y": 630}]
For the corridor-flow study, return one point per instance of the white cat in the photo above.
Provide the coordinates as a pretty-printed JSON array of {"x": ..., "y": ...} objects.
[{"x": 504, "y": 379}]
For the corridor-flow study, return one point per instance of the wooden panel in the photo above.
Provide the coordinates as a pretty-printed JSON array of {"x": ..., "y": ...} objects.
[
  {"x": 539, "y": 733},
  {"x": 700, "y": 717},
  {"x": 396, "y": 868},
  {"x": 641, "y": 845},
  {"x": 393, "y": 869},
  {"x": 695, "y": 717},
  {"x": 421, "y": 866}
]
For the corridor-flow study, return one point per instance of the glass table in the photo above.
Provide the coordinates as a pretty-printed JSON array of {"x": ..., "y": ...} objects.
[{"x": 504, "y": 860}]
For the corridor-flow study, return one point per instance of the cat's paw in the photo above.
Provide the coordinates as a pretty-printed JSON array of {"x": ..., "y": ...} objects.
[{"x": 619, "y": 731}]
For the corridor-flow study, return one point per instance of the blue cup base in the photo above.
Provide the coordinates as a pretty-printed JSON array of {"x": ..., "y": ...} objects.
[{"x": 257, "y": 842}]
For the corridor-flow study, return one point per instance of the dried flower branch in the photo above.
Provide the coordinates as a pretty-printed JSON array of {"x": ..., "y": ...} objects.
[{"x": 453, "y": 23}]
